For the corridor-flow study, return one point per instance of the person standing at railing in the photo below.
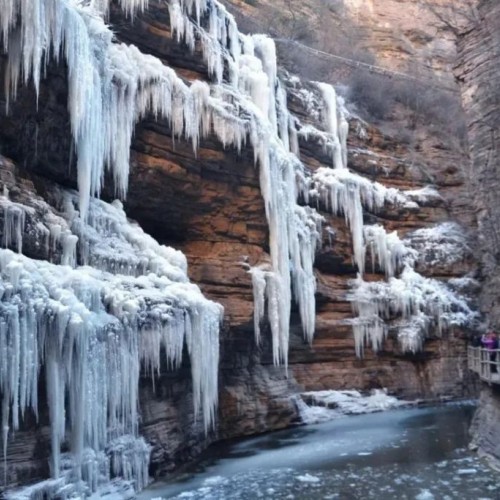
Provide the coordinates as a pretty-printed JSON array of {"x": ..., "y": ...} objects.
[{"x": 490, "y": 342}]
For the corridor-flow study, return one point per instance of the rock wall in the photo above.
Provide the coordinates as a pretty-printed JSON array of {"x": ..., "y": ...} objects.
[
  {"x": 485, "y": 427},
  {"x": 477, "y": 72},
  {"x": 209, "y": 205}
]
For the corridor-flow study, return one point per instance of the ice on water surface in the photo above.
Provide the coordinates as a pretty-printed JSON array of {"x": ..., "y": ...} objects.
[{"x": 394, "y": 455}]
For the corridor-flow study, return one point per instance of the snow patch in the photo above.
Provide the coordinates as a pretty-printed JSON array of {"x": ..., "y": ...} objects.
[{"x": 321, "y": 406}]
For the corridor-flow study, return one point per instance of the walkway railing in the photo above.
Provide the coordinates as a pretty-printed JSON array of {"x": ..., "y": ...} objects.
[{"x": 485, "y": 362}]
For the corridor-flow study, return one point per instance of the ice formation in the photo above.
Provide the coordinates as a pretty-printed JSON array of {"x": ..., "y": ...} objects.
[
  {"x": 322, "y": 406},
  {"x": 387, "y": 249},
  {"x": 341, "y": 191},
  {"x": 14, "y": 217},
  {"x": 91, "y": 329},
  {"x": 422, "y": 304},
  {"x": 251, "y": 108},
  {"x": 441, "y": 244},
  {"x": 115, "y": 294},
  {"x": 336, "y": 125}
]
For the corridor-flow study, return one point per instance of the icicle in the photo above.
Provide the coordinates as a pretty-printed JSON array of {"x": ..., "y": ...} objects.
[
  {"x": 265, "y": 49},
  {"x": 14, "y": 219},
  {"x": 331, "y": 118},
  {"x": 69, "y": 242},
  {"x": 344, "y": 192},
  {"x": 387, "y": 249},
  {"x": 259, "y": 297}
]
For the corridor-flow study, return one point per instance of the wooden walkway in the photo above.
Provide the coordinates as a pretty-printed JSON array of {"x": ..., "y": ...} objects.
[{"x": 485, "y": 363}]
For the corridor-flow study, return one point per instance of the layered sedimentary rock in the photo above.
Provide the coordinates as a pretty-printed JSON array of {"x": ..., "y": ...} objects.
[{"x": 208, "y": 203}]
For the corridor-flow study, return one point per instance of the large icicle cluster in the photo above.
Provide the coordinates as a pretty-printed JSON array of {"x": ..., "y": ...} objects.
[
  {"x": 120, "y": 85},
  {"x": 257, "y": 94},
  {"x": 343, "y": 192},
  {"x": 422, "y": 304},
  {"x": 91, "y": 329}
]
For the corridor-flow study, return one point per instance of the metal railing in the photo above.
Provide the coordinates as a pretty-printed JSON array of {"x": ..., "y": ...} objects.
[{"x": 485, "y": 362}]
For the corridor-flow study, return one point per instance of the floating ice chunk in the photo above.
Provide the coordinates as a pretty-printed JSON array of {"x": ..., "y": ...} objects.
[
  {"x": 425, "y": 495},
  {"x": 308, "y": 478},
  {"x": 466, "y": 472}
]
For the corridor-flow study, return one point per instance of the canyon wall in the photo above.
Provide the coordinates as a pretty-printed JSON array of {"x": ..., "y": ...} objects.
[
  {"x": 209, "y": 205},
  {"x": 477, "y": 72}
]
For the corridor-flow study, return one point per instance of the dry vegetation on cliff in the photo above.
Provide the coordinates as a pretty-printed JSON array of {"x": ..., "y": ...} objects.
[{"x": 331, "y": 40}]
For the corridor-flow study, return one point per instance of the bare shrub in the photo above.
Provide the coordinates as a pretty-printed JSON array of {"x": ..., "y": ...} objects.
[{"x": 371, "y": 93}]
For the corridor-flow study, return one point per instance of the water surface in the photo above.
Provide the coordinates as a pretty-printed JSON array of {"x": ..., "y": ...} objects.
[{"x": 418, "y": 453}]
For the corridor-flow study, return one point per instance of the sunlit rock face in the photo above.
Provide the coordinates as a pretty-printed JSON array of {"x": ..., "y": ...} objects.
[{"x": 285, "y": 218}]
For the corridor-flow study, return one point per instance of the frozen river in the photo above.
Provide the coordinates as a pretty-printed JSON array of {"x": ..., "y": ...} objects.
[{"x": 399, "y": 454}]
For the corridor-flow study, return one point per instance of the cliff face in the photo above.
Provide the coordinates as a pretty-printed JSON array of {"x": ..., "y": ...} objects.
[
  {"x": 399, "y": 33},
  {"x": 209, "y": 205},
  {"x": 479, "y": 53},
  {"x": 477, "y": 70}
]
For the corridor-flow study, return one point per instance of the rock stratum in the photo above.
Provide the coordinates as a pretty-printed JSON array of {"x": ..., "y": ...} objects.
[{"x": 208, "y": 203}]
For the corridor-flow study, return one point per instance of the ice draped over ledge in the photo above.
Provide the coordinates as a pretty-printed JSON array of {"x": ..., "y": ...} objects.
[
  {"x": 92, "y": 327},
  {"x": 130, "y": 297}
]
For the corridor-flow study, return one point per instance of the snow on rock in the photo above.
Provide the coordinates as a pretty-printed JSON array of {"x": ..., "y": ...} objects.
[
  {"x": 444, "y": 244},
  {"x": 320, "y": 406},
  {"x": 314, "y": 414}
]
